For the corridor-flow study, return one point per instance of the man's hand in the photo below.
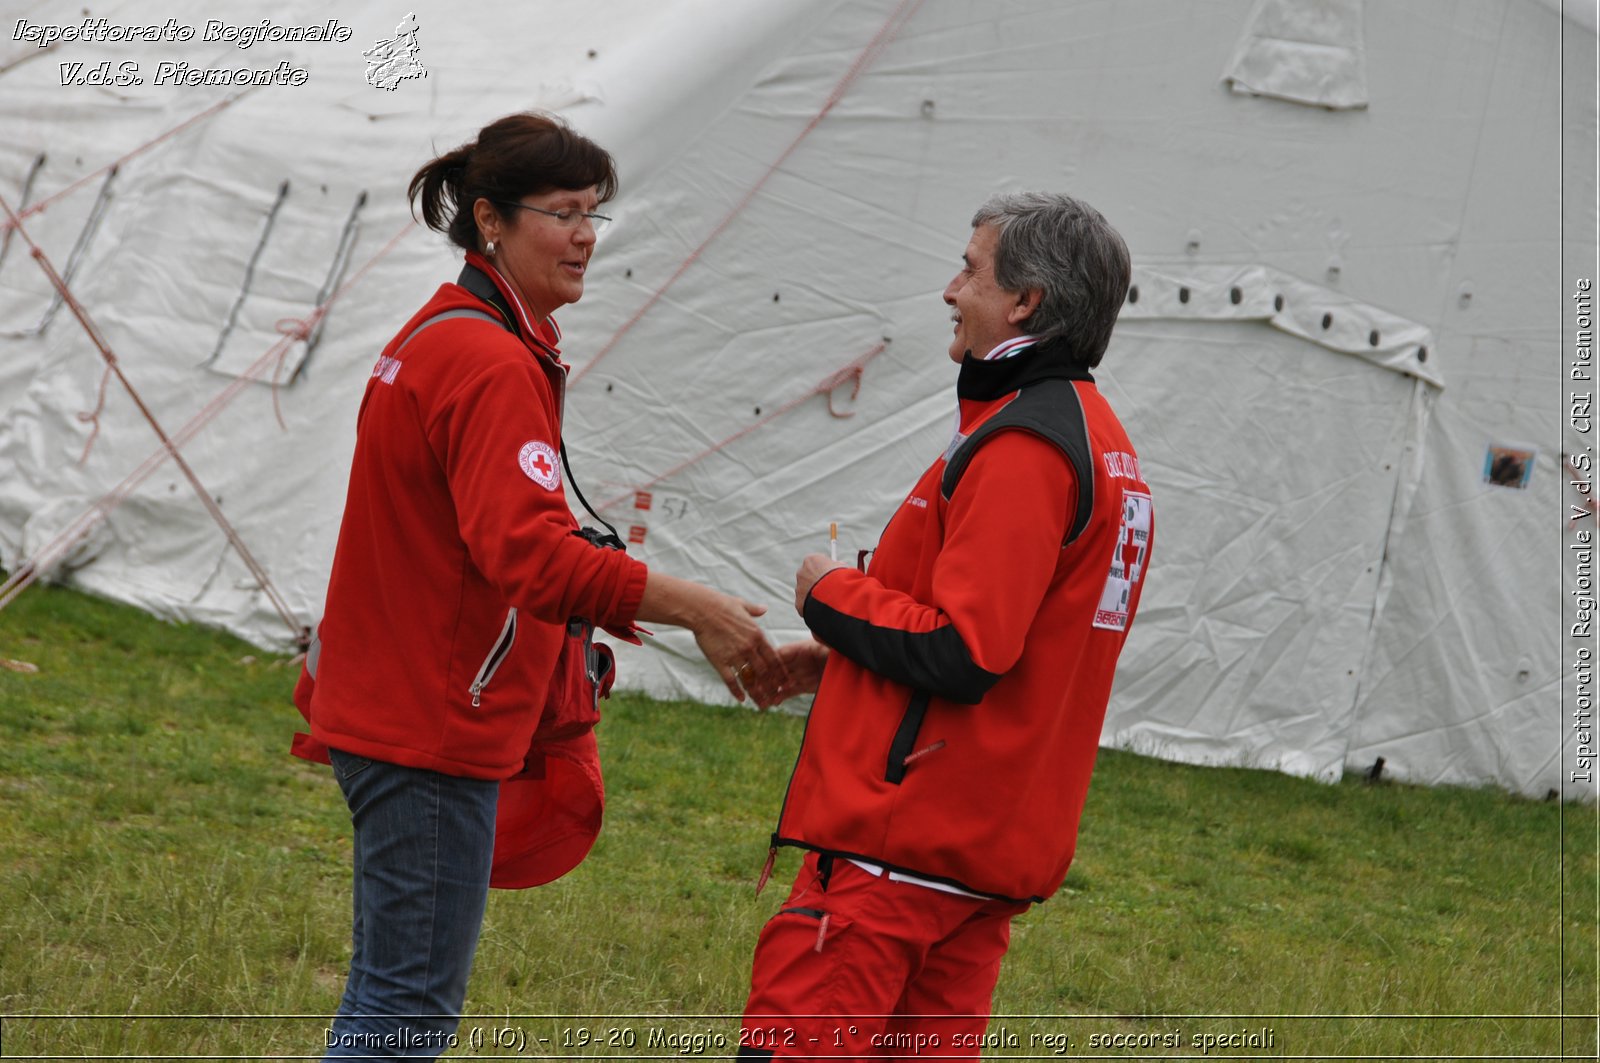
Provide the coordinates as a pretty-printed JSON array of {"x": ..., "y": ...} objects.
[
  {"x": 812, "y": 568},
  {"x": 804, "y": 660}
]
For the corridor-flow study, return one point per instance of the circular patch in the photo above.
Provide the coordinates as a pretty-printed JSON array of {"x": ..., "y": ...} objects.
[{"x": 538, "y": 459}]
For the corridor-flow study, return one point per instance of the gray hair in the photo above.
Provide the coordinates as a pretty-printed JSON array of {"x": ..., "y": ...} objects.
[{"x": 1066, "y": 248}]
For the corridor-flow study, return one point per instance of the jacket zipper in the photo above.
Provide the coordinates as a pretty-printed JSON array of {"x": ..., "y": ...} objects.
[
  {"x": 497, "y": 656},
  {"x": 772, "y": 848},
  {"x": 902, "y": 750},
  {"x": 901, "y": 755}
]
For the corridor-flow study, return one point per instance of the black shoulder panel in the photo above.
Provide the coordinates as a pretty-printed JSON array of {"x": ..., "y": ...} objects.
[{"x": 1050, "y": 410}]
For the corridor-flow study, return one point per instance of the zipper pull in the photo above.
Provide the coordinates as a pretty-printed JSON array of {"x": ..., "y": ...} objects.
[
  {"x": 766, "y": 869},
  {"x": 822, "y": 931},
  {"x": 477, "y": 694}
]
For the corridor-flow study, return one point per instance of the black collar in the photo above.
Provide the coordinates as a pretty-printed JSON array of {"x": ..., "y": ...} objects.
[
  {"x": 1051, "y": 359},
  {"x": 478, "y": 283}
]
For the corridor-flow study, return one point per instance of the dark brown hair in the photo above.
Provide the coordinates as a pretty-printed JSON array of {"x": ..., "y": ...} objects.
[{"x": 512, "y": 157}]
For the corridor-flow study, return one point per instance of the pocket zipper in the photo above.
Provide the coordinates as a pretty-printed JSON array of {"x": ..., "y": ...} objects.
[{"x": 491, "y": 663}]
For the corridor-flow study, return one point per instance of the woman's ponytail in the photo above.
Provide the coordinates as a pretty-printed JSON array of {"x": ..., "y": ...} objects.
[{"x": 438, "y": 189}]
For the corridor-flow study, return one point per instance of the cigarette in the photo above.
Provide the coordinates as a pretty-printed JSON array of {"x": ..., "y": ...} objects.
[{"x": 833, "y": 540}]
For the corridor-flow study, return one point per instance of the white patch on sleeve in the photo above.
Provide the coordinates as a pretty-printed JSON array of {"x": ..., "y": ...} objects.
[
  {"x": 539, "y": 460},
  {"x": 1127, "y": 562}
]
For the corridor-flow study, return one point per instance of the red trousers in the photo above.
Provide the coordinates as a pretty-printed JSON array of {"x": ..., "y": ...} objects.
[{"x": 868, "y": 968}]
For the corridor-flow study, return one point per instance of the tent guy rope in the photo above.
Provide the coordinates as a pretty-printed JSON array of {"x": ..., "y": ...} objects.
[
  {"x": 104, "y": 349},
  {"x": 851, "y": 372},
  {"x": 896, "y": 21},
  {"x": 51, "y": 553},
  {"x": 44, "y": 204}
]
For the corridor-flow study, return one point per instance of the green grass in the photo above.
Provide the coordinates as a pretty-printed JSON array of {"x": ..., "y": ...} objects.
[{"x": 162, "y": 855}]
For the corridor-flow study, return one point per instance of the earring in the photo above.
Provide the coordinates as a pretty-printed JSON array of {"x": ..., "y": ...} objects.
[{"x": 489, "y": 250}]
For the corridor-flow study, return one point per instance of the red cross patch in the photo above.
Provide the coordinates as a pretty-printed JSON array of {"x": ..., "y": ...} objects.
[{"x": 538, "y": 460}]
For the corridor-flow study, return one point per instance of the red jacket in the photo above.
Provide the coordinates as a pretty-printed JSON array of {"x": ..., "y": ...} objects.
[
  {"x": 959, "y": 715},
  {"x": 457, "y": 567}
]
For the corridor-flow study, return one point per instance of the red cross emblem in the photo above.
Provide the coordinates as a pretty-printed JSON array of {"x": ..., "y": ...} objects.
[{"x": 538, "y": 461}]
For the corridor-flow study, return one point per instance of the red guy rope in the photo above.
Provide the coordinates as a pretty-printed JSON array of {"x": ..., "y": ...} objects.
[
  {"x": 51, "y": 553},
  {"x": 17, "y": 219},
  {"x": 189, "y": 474},
  {"x": 881, "y": 40},
  {"x": 827, "y": 386}
]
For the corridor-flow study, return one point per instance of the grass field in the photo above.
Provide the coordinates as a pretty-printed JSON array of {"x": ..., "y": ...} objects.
[{"x": 173, "y": 883}]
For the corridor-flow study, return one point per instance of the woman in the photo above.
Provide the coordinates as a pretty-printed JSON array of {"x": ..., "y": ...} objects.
[{"x": 457, "y": 568}]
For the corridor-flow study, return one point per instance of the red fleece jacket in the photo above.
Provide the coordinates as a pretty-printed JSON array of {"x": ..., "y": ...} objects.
[{"x": 456, "y": 567}]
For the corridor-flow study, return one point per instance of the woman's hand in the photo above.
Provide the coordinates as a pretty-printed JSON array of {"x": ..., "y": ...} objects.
[
  {"x": 738, "y": 649},
  {"x": 725, "y": 630}
]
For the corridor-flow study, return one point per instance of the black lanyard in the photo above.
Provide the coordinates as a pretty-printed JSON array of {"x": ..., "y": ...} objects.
[{"x": 478, "y": 283}]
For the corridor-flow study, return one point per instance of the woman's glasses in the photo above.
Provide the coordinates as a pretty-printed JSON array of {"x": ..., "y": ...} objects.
[{"x": 567, "y": 217}]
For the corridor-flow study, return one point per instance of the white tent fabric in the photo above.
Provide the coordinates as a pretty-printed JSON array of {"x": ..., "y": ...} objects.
[
  {"x": 760, "y": 351},
  {"x": 1308, "y": 53}
]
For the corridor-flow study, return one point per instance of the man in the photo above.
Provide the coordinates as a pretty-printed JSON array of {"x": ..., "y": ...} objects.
[{"x": 962, "y": 679}]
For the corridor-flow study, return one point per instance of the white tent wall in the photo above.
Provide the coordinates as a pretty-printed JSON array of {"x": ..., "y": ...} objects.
[
  {"x": 1334, "y": 581},
  {"x": 1280, "y": 549},
  {"x": 1468, "y": 660}
]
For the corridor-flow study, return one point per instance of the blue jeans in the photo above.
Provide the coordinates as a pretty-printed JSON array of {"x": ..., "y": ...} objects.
[{"x": 423, "y": 846}]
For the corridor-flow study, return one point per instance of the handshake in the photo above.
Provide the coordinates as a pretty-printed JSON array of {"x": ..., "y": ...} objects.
[{"x": 726, "y": 630}]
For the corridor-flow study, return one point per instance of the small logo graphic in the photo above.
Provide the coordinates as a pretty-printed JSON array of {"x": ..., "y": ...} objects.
[
  {"x": 387, "y": 369},
  {"x": 539, "y": 461},
  {"x": 1509, "y": 464},
  {"x": 392, "y": 61}
]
